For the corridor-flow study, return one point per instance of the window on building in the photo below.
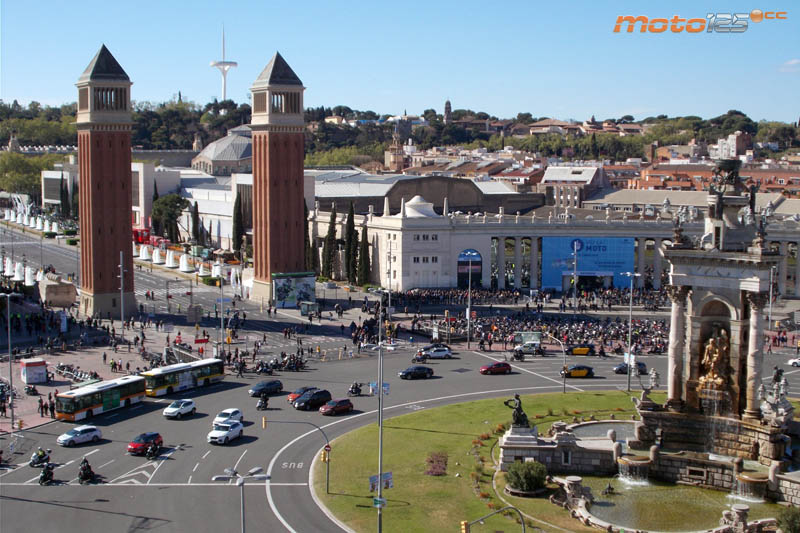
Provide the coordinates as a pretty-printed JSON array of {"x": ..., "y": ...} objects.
[
  {"x": 424, "y": 259},
  {"x": 416, "y": 260},
  {"x": 394, "y": 274},
  {"x": 434, "y": 237},
  {"x": 434, "y": 259},
  {"x": 394, "y": 259},
  {"x": 781, "y": 181},
  {"x": 566, "y": 457},
  {"x": 416, "y": 236},
  {"x": 425, "y": 237}
]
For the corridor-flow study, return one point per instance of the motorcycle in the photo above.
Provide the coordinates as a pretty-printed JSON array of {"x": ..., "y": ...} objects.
[
  {"x": 46, "y": 476},
  {"x": 86, "y": 475},
  {"x": 420, "y": 357},
  {"x": 37, "y": 461},
  {"x": 262, "y": 404},
  {"x": 152, "y": 452},
  {"x": 30, "y": 390},
  {"x": 355, "y": 390}
]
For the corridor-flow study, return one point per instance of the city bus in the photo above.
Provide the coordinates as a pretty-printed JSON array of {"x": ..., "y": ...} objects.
[
  {"x": 182, "y": 376},
  {"x": 90, "y": 400}
]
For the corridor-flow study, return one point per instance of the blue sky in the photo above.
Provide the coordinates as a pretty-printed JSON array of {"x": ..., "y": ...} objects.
[{"x": 558, "y": 59}]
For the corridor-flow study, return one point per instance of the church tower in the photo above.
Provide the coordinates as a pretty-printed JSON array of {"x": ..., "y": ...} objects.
[
  {"x": 104, "y": 159},
  {"x": 278, "y": 154},
  {"x": 447, "y": 111}
]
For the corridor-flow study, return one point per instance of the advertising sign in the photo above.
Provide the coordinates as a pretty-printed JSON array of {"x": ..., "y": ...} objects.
[
  {"x": 290, "y": 289},
  {"x": 597, "y": 256}
]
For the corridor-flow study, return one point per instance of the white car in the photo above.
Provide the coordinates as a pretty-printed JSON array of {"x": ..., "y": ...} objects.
[
  {"x": 228, "y": 415},
  {"x": 793, "y": 362},
  {"x": 178, "y": 408},
  {"x": 439, "y": 353},
  {"x": 226, "y": 431},
  {"x": 79, "y": 435}
]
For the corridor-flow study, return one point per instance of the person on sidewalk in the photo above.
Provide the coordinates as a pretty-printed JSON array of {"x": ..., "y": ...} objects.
[
  {"x": 52, "y": 405},
  {"x": 41, "y": 407}
]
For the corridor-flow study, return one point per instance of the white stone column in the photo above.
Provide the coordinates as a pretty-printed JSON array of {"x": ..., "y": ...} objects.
[
  {"x": 501, "y": 262},
  {"x": 657, "y": 264},
  {"x": 486, "y": 265},
  {"x": 755, "y": 355},
  {"x": 783, "y": 268},
  {"x": 517, "y": 262},
  {"x": 677, "y": 345},
  {"x": 534, "y": 262},
  {"x": 797, "y": 270},
  {"x": 640, "y": 250}
]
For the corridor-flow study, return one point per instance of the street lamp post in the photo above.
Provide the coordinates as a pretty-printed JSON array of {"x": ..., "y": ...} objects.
[
  {"x": 469, "y": 300},
  {"x": 380, "y": 416},
  {"x": 122, "y": 295},
  {"x": 10, "y": 359},
  {"x": 629, "y": 362},
  {"x": 575, "y": 277},
  {"x": 769, "y": 315},
  {"x": 564, "y": 373},
  {"x": 231, "y": 474}
]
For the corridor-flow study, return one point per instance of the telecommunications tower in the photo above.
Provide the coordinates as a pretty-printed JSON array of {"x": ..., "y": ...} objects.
[{"x": 224, "y": 66}]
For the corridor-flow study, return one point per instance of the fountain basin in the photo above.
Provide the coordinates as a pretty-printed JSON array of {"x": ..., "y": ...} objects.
[
  {"x": 751, "y": 486},
  {"x": 634, "y": 467}
]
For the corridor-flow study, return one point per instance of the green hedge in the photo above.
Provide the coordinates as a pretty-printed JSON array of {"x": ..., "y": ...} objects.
[
  {"x": 72, "y": 242},
  {"x": 208, "y": 280},
  {"x": 527, "y": 476},
  {"x": 70, "y": 232},
  {"x": 49, "y": 234}
]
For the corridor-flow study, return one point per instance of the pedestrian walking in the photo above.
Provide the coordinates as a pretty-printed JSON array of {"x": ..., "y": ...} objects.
[
  {"x": 41, "y": 407},
  {"x": 104, "y": 357},
  {"x": 52, "y": 409},
  {"x": 3, "y": 409}
]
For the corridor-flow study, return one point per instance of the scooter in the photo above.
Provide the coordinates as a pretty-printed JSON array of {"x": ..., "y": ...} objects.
[
  {"x": 30, "y": 390},
  {"x": 152, "y": 452},
  {"x": 420, "y": 357},
  {"x": 262, "y": 404},
  {"x": 46, "y": 476},
  {"x": 86, "y": 475},
  {"x": 355, "y": 390},
  {"x": 37, "y": 461}
]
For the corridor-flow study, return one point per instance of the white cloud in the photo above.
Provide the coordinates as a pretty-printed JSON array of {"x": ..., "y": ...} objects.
[{"x": 793, "y": 65}]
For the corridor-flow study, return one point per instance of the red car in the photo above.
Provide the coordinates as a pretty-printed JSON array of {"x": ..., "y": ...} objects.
[
  {"x": 335, "y": 407},
  {"x": 299, "y": 392},
  {"x": 138, "y": 446},
  {"x": 496, "y": 368}
]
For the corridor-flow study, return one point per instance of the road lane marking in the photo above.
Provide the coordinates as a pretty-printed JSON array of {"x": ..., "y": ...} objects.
[
  {"x": 160, "y": 462},
  {"x": 530, "y": 371},
  {"x": 106, "y": 464},
  {"x": 190, "y": 481},
  {"x": 195, "y": 467},
  {"x": 268, "y": 483},
  {"x": 65, "y": 464},
  {"x": 91, "y": 452},
  {"x": 206, "y": 454},
  {"x": 29, "y": 481},
  {"x": 237, "y": 464}
]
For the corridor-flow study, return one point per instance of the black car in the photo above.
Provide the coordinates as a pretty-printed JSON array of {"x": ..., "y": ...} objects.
[
  {"x": 417, "y": 371},
  {"x": 312, "y": 400},
  {"x": 622, "y": 368},
  {"x": 270, "y": 387}
]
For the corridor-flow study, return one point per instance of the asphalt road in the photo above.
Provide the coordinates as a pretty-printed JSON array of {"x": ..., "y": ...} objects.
[{"x": 175, "y": 492}]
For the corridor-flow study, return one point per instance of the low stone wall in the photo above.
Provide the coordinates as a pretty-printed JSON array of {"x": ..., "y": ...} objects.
[
  {"x": 563, "y": 458},
  {"x": 725, "y": 436},
  {"x": 787, "y": 489},
  {"x": 694, "y": 471}
]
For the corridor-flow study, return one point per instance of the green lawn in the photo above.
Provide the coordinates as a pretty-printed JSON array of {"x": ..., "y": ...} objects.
[{"x": 424, "y": 503}]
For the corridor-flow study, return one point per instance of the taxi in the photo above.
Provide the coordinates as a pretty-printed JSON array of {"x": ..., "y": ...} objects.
[{"x": 577, "y": 371}]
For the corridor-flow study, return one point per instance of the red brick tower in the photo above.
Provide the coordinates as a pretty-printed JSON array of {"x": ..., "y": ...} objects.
[
  {"x": 278, "y": 152},
  {"x": 104, "y": 159}
]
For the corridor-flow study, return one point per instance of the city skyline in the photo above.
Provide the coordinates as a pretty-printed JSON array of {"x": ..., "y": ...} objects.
[{"x": 388, "y": 60}]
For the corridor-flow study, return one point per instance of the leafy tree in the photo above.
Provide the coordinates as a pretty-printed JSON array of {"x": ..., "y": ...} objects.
[
  {"x": 329, "y": 246},
  {"x": 238, "y": 224},
  {"x": 363, "y": 259},
  {"x": 196, "y": 231},
  {"x": 789, "y": 520},
  {"x": 524, "y": 118},
  {"x": 349, "y": 235},
  {"x": 21, "y": 174},
  {"x": 527, "y": 476},
  {"x": 167, "y": 210}
]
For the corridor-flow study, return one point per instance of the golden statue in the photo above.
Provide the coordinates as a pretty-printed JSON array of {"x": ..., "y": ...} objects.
[{"x": 715, "y": 361}]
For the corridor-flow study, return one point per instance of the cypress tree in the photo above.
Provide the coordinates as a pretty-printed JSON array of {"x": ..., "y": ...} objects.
[
  {"x": 349, "y": 234},
  {"x": 353, "y": 275},
  {"x": 64, "y": 197},
  {"x": 156, "y": 223},
  {"x": 210, "y": 233},
  {"x": 307, "y": 261},
  {"x": 74, "y": 211},
  {"x": 238, "y": 224},
  {"x": 329, "y": 247},
  {"x": 595, "y": 149},
  {"x": 363, "y": 259},
  {"x": 196, "y": 223}
]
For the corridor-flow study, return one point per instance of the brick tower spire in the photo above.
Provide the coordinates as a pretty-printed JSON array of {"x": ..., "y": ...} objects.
[
  {"x": 278, "y": 152},
  {"x": 104, "y": 158}
]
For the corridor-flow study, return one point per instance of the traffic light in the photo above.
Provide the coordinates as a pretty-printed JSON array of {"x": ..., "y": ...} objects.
[
  {"x": 323, "y": 456},
  {"x": 464, "y": 526}
]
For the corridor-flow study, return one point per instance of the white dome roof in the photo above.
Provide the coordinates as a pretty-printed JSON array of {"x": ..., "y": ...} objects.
[{"x": 417, "y": 207}]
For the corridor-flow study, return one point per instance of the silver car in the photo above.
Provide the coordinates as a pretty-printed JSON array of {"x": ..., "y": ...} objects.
[{"x": 79, "y": 435}]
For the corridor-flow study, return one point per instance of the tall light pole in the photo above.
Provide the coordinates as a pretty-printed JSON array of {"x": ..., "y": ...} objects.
[
  {"x": 380, "y": 418},
  {"x": 575, "y": 276},
  {"x": 122, "y": 295},
  {"x": 630, "y": 361},
  {"x": 470, "y": 255},
  {"x": 231, "y": 474},
  {"x": 10, "y": 359},
  {"x": 564, "y": 373},
  {"x": 769, "y": 319}
]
